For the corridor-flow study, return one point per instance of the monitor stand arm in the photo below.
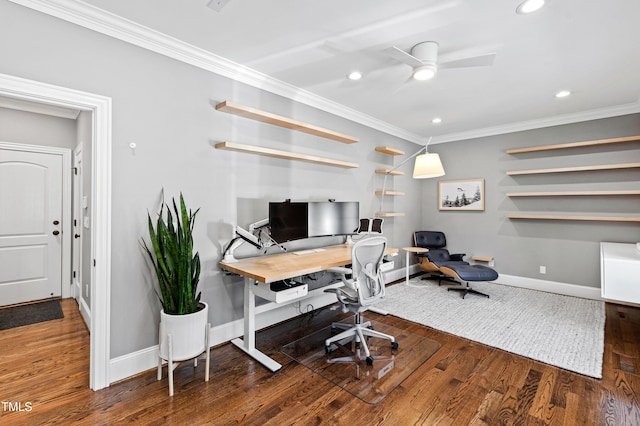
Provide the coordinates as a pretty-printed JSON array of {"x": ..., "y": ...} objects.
[{"x": 244, "y": 236}]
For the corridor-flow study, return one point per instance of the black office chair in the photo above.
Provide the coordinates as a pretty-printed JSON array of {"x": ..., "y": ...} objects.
[
  {"x": 450, "y": 267},
  {"x": 363, "y": 289}
]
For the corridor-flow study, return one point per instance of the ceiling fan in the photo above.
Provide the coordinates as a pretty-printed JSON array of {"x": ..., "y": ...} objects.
[{"x": 424, "y": 60}]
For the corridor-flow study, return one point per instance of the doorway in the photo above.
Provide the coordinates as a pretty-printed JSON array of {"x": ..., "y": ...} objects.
[
  {"x": 100, "y": 273},
  {"x": 33, "y": 238}
]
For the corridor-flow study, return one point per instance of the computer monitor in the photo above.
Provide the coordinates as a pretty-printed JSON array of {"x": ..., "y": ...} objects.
[
  {"x": 297, "y": 220},
  {"x": 288, "y": 221}
]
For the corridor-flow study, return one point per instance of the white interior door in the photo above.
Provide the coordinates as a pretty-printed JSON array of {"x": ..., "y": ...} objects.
[{"x": 30, "y": 226}]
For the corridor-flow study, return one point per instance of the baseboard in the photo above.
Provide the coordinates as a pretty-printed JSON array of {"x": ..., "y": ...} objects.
[
  {"x": 85, "y": 311},
  {"x": 398, "y": 274},
  {"x": 129, "y": 365},
  {"x": 268, "y": 314},
  {"x": 550, "y": 286}
]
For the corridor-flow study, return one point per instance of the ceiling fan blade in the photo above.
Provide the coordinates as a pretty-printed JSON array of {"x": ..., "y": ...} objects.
[
  {"x": 406, "y": 84},
  {"x": 476, "y": 61},
  {"x": 402, "y": 56}
]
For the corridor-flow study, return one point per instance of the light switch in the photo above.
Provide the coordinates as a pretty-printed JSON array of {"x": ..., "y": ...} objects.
[
  {"x": 86, "y": 222},
  {"x": 85, "y": 204}
]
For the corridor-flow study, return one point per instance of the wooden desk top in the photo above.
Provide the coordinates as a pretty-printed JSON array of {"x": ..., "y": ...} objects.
[{"x": 276, "y": 267}]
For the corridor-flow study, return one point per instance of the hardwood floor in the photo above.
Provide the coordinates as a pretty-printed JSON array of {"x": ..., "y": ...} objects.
[{"x": 44, "y": 368}]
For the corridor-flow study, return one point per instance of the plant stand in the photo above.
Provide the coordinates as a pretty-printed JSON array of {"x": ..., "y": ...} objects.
[{"x": 179, "y": 340}]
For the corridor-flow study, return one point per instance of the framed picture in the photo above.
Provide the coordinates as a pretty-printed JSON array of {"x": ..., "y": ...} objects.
[{"x": 461, "y": 194}]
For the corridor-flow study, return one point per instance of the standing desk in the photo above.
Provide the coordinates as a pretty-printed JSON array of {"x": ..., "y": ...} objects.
[{"x": 267, "y": 269}]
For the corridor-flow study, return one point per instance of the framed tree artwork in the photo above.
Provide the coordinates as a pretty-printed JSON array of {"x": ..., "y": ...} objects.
[{"x": 461, "y": 195}]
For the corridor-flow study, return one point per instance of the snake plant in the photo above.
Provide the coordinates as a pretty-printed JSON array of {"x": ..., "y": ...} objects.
[{"x": 177, "y": 268}]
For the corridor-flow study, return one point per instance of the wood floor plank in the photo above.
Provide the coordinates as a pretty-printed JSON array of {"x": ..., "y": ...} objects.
[
  {"x": 542, "y": 408},
  {"x": 47, "y": 364}
]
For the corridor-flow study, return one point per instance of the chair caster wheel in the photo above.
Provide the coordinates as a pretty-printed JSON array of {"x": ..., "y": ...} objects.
[
  {"x": 369, "y": 360},
  {"x": 394, "y": 345},
  {"x": 370, "y": 327},
  {"x": 327, "y": 350},
  {"x": 333, "y": 331}
]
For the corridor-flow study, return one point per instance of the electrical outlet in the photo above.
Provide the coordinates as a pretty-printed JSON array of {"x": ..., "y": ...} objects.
[{"x": 543, "y": 269}]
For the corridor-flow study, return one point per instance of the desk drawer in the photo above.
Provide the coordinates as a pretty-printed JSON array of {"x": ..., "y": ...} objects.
[{"x": 280, "y": 296}]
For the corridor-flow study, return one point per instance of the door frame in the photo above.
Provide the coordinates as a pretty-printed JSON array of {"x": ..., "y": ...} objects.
[
  {"x": 101, "y": 107},
  {"x": 65, "y": 153},
  {"x": 76, "y": 226}
]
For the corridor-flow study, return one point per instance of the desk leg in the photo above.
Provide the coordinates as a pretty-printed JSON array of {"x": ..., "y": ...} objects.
[
  {"x": 248, "y": 344},
  {"x": 407, "y": 268}
]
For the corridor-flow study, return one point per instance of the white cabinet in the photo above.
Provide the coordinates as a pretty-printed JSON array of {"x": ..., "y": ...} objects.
[{"x": 620, "y": 272}]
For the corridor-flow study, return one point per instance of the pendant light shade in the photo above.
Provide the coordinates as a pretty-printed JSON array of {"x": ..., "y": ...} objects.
[{"x": 427, "y": 165}]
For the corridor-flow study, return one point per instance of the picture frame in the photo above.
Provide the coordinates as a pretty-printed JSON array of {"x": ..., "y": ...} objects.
[{"x": 461, "y": 195}]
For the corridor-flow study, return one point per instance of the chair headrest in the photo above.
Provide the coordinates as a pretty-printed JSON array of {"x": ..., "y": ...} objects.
[{"x": 429, "y": 239}]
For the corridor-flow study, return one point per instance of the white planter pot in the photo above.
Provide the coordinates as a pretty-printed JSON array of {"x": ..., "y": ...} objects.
[{"x": 188, "y": 334}]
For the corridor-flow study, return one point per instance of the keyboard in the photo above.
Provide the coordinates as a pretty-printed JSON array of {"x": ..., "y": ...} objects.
[{"x": 302, "y": 252}]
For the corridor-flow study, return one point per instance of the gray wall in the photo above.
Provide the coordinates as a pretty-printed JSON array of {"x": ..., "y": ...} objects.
[
  {"x": 165, "y": 107},
  {"x": 569, "y": 250},
  {"x": 36, "y": 129}
]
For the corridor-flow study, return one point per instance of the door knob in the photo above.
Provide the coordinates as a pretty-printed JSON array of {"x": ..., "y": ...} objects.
[
  {"x": 56, "y": 222},
  {"x": 76, "y": 236},
  {"x": 56, "y": 232}
]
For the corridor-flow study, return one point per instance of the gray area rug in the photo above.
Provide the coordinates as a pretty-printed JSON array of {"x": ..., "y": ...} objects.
[
  {"x": 17, "y": 316},
  {"x": 564, "y": 331}
]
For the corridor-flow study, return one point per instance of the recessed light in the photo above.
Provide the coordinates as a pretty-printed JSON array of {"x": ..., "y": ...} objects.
[
  {"x": 354, "y": 75},
  {"x": 437, "y": 120},
  {"x": 529, "y": 6},
  {"x": 563, "y": 94}
]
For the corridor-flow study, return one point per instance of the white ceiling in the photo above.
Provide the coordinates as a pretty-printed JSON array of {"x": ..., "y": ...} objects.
[{"x": 591, "y": 47}]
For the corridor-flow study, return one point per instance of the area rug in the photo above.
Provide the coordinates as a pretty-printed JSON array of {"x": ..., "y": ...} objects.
[
  {"x": 370, "y": 383},
  {"x": 563, "y": 331},
  {"x": 17, "y": 316}
]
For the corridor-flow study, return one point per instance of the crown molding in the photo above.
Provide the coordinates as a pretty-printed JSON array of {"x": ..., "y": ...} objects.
[
  {"x": 99, "y": 20},
  {"x": 104, "y": 22},
  {"x": 595, "y": 114}
]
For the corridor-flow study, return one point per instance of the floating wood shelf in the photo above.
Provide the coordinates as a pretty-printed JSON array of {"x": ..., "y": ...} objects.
[
  {"x": 389, "y": 151},
  {"x": 575, "y": 169},
  {"x": 388, "y": 214},
  {"x": 572, "y": 193},
  {"x": 390, "y": 173},
  {"x": 388, "y": 192},
  {"x": 583, "y": 218},
  {"x": 482, "y": 258},
  {"x": 277, "y": 120},
  {"x": 229, "y": 146},
  {"x": 574, "y": 145}
]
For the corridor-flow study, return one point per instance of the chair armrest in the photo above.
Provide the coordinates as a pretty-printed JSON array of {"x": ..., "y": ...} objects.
[
  {"x": 458, "y": 256},
  {"x": 345, "y": 295},
  {"x": 343, "y": 275}
]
